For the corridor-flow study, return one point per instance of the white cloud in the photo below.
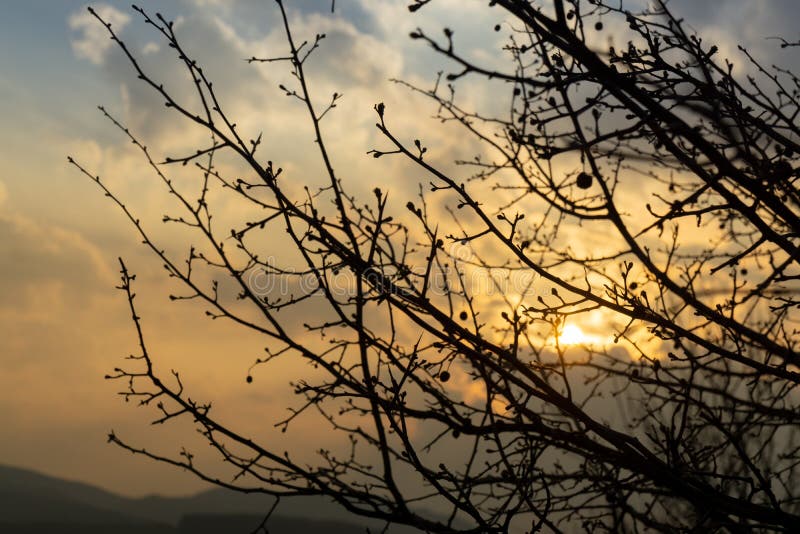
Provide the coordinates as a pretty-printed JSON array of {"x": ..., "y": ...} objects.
[
  {"x": 150, "y": 48},
  {"x": 94, "y": 43}
]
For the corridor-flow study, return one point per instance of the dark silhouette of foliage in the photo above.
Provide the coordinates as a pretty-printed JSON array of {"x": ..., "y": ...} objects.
[{"x": 697, "y": 284}]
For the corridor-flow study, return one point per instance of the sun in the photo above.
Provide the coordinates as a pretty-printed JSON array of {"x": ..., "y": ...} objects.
[{"x": 572, "y": 335}]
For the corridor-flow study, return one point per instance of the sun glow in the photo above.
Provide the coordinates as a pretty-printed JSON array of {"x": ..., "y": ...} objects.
[{"x": 572, "y": 335}]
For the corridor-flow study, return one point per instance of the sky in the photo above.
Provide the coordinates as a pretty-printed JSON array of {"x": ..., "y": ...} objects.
[{"x": 63, "y": 326}]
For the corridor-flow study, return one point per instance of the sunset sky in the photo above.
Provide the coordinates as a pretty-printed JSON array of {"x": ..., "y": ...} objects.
[{"x": 63, "y": 326}]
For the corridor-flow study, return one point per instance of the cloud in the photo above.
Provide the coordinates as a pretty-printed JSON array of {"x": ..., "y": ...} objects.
[
  {"x": 35, "y": 256},
  {"x": 143, "y": 110},
  {"x": 3, "y": 193},
  {"x": 94, "y": 43},
  {"x": 150, "y": 48}
]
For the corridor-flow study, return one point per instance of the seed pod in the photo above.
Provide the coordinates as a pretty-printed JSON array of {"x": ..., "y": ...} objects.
[{"x": 584, "y": 181}]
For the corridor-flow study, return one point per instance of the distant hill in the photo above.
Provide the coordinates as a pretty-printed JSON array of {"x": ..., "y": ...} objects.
[
  {"x": 212, "y": 524},
  {"x": 192, "y": 524},
  {"x": 33, "y": 503},
  {"x": 78, "y": 528}
]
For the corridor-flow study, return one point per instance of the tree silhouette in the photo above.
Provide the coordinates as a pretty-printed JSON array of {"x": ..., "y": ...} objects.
[{"x": 472, "y": 399}]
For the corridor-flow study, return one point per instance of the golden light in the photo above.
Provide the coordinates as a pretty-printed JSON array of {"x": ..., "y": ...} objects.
[{"x": 572, "y": 335}]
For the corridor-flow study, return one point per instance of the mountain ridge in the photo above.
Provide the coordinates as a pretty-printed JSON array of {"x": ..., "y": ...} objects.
[{"x": 31, "y": 500}]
